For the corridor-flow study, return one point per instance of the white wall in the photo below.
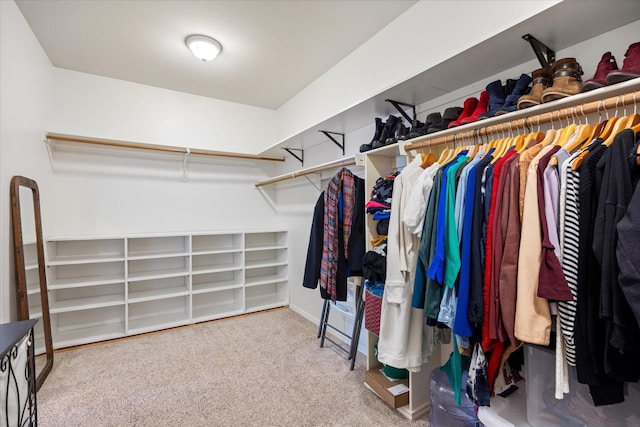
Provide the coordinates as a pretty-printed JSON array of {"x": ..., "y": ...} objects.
[
  {"x": 425, "y": 35},
  {"x": 90, "y": 105},
  {"x": 25, "y": 85}
]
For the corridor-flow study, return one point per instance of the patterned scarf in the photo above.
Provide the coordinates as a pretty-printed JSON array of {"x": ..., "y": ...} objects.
[{"x": 341, "y": 184}]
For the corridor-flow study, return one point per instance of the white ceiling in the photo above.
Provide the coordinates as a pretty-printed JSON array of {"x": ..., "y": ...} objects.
[{"x": 271, "y": 49}]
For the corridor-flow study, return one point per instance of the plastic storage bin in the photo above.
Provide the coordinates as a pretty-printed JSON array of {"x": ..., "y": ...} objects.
[
  {"x": 577, "y": 408},
  {"x": 445, "y": 412}
]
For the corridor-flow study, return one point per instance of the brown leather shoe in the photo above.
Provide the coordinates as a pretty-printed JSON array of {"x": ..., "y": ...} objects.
[
  {"x": 540, "y": 79},
  {"x": 567, "y": 80}
]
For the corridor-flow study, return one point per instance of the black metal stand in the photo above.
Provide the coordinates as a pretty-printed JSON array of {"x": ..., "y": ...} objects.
[
  {"x": 291, "y": 151},
  {"x": 335, "y": 141},
  {"x": 18, "y": 409},
  {"x": 540, "y": 49},
  {"x": 398, "y": 105},
  {"x": 354, "y": 338}
]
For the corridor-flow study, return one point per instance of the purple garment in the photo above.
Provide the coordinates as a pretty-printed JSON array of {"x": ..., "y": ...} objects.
[{"x": 552, "y": 284}]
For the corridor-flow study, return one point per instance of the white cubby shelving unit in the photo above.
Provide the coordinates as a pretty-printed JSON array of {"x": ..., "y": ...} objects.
[
  {"x": 33, "y": 292},
  {"x": 109, "y": 287}
]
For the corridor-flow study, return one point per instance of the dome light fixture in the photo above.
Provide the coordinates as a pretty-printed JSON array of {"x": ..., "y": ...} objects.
[{"x": 203, "y": 47}]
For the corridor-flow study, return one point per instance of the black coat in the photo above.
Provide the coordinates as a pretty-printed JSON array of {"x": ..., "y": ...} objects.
[{"x": 356, "y": 246}]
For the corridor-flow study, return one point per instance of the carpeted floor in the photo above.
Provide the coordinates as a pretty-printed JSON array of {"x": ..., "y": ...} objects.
[{"x": 264, "y": 369}]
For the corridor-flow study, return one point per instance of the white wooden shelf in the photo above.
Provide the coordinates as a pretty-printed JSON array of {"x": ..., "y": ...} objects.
[
  {"x": 265, "y": 296},
  {"x": 216, "y": 304},
  {"x": 89, "y": 334},
  {"x": 154, "y": 294},
  {"x": 203, "y": 288},
  {"x": 263, "y": 280},
  {"x": 156, "y": 255},
  {"x": 79, "y": 259},
  {"x": 265, "y": 248},
  {"x": 159, "y": 274},
  {"x": 84, "y": 281},
  {"x": 206, "y": 270},
  {"x": 263, "y": 264},
  {"x": 216, "y": 251},
  {"x": 86, "y": 303},
  {"x": 160, "y": 321},
  {"x": 105, "y": 287}
]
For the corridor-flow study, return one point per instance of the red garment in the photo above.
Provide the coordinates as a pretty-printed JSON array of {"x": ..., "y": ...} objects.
[
  {"x": 508, "y": 277},
  {"x": 491, "y": 346},
  {"x": 496, "y": 327}
]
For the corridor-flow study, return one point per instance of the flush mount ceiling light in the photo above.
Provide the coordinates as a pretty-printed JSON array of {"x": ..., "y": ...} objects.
[{"x": 204, "y": 48}]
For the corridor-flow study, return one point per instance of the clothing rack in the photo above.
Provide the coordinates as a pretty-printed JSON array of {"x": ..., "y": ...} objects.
[
  {"x": 619, "y": 96},
  {"x": 50, "y": 136},
  {"x": 314, "y": 169}
]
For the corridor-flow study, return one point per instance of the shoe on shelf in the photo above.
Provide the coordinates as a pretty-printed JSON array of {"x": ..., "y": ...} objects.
[
  {"x": 520, "y": 89},
  {"x": 540, "y": 79},
  {"x": 630, "y": 66},
  {"x": 480, "y": 109},
  {"x": 606, "y": 65},
  {"x": 431, "y": 119},
  {"x": 398, "y": 130},
  {"x": 450, "y": 114},
  {"x": 376, "y": 136},
  {"x": 497, "y": 94},
  {"x": 387, "y": 131},
  {"x": 468, "y": 108},
  {"x": 567, "y": 80}
]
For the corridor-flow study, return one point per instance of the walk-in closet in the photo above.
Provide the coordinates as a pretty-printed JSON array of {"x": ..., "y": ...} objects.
[{"x": 345, "y": 213}]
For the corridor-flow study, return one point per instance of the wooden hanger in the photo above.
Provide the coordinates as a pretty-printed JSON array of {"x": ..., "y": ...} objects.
[
  {"x": 608, "y": 128},
  {"x": 549, "y": 137},
  {"x": 444, "y": 154},
  {"x": 619, "y": 125},
  {"x": 581, "y": 135},
  {"x": 427, "y": 158}
]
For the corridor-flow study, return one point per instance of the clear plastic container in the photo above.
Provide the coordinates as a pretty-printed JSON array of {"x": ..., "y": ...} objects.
[
  {"x": 445, "y": 412},
  {"x": 576, "y": 408}
]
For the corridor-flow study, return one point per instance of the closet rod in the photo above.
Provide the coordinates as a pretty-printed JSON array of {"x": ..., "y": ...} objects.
[
  {"x": 563, "y": 112},
  {"x": 314, "y": 169},
  {"x": 165, "y": 148}
]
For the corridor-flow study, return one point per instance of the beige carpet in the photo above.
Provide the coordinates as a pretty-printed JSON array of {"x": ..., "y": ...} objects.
[{"x": 264, "y": 369}]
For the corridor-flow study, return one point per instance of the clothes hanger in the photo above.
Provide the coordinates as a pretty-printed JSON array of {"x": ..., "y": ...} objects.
[
  {"x": 427, "y": 158},
  {"x": 444, "y": 154},
  {"x": 611, "y": 122},
  {"x": 581, "y": 136},
  {"x": 533, "y": 138},
  {"x": 520, "y": 139},
  {"x": 619, "y": 126},
  {"x": 596, "y": 130},
  {"x": 471, "y": 147},
  {"x": 609, "y": 125},
  {"x": 634, "y": 118}
]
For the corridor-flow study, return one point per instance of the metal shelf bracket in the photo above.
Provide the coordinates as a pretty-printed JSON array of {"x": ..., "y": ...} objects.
[
  {"x": 335, "y": 141},
  {"x": 398, "y": 105},
  {"x": 540, "y": 49},
  {"x": 299, "y": 157}
]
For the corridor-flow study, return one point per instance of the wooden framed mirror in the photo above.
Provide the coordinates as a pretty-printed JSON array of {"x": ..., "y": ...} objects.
[{"x": 31, "y": 279}]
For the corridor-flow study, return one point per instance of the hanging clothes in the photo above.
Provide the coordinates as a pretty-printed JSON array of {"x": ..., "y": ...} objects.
[
  {"x": 336, "y": 242},
  {"x": 513, "y": 245},
  {"x": 627, "y": 253},
  {"x": 405, "y": 341}
]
